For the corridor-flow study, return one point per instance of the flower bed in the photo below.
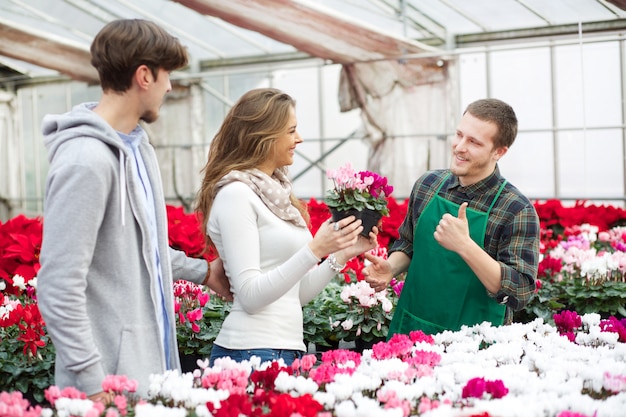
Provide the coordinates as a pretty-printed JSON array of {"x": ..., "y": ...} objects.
[
  {"x": 582, "y": 269},
  {"x": 529, "y": 370}
]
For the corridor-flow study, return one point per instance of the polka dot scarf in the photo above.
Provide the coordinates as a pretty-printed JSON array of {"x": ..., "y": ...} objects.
[{"x": 274, "y": 191}]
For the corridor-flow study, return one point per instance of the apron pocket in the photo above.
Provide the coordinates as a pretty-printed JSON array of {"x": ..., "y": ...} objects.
[{"x": 409, "y": 323}]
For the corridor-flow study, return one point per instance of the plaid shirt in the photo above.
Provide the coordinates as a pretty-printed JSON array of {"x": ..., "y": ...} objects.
[{"x": 512, "y": 235}]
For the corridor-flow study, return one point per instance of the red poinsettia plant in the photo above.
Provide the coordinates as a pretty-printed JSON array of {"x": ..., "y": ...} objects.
[
  {"x": 26, "y": 352},
  {"x": 20, "y": 320}
]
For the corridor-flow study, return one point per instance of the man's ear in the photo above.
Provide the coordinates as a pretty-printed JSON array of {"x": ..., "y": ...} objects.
[
  {"x": 499, "y": 153},
  {"x": 143, "y": 76}
]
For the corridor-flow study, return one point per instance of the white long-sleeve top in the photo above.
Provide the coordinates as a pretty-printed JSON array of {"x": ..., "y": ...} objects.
[{"x": 271, "y": 268}]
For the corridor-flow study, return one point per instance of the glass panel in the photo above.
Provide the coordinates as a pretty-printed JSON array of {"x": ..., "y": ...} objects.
[
  {"x": 472, "y": 77},
  {"x": 529, "y": 164},
  {"x": 302, "y": 85},
  {"x": 591, "y": 164},
  {"x": 596, "y": 98},
  {"x": 522, "y": 79},
  {"x": 444, "y": 15},
  {"x": 572, "y": 11}
]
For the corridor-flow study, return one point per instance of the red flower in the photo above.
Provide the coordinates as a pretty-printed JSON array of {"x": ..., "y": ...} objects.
[
  {"x": 552, "y": 213},
  {"x": 265, "y": 379},
  {"x": 234, "y": 406},
  {"x": 185, "y": 234},
  {"x": 549, "y": 266},
  {"x": 20, "y": 243},
  {"x": 319, "y": 213},
  {"x": 32, "y": 340}
]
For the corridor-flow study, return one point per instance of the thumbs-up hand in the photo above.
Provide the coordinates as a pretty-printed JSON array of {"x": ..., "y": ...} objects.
[{"x": 453, "y": 232}]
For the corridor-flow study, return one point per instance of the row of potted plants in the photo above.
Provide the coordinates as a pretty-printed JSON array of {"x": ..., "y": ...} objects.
[
  {"x": 582, "y": 270},
  {"x": 573, "y": 369}
]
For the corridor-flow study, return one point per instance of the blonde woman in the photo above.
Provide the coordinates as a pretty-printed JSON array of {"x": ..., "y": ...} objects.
[{"x": 260, "y": 230}]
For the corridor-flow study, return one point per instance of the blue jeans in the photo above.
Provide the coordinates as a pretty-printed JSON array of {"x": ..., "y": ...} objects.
[{"x": 240, "y": 355}]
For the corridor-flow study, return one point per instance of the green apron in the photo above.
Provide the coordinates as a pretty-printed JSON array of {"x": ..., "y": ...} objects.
[{"x": 441, "y": 292}]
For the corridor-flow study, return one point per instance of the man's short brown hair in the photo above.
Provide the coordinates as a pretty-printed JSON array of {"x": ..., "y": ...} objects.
[
  {"x": 499, "y": 113},
  {"x": 123, "y": 45}
]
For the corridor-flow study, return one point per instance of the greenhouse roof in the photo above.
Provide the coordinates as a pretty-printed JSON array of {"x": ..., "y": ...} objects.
[{"x": 48, "y": 37}]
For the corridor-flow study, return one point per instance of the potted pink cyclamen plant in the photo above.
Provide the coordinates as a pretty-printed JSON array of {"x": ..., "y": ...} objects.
[{"x": 362, "y": 194}]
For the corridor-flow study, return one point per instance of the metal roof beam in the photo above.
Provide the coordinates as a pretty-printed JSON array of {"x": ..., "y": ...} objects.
[
  {"x": 310, "y": 28},
  {"x": 557, "y": 30},
  {"x": 46, "y": 50},
  {"x": 619, "y": 3}
]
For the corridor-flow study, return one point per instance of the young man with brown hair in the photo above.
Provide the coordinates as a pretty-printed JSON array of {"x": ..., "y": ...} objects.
[{"x": 105, "y": 284}]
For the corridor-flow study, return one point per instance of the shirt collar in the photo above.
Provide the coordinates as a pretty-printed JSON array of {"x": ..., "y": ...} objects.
[
  {"x": 133, "y": 139},
  {"x": 479, "y": 188}
]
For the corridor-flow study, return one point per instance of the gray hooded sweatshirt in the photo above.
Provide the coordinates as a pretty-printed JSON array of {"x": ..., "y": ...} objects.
[{"x": 96, "y": 282}]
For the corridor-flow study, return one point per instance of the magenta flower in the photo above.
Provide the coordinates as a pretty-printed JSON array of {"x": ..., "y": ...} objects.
[
  {"x": 567, "y": 321},
  {"x": 496, "y": 388},
  {"x": 358, "y": 190},
  {"x": 478, "y": 387},
  {"x": 475, "y": 388}
]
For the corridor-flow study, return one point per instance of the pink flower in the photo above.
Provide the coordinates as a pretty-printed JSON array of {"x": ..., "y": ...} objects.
[
  {"x": 307, "y": 362},
  {"x": 358, "y": 190},
  {"x": 119, "y": 384},
  {"x": 203, "y": 298},
  {"x": 53, "y": 393},
  {"x": 614, "y": 383},
  {"x": 426, "y": 404},
  {"x": 477, "y": 387},
  {"x": 96, "y": 410},
  {"x": 568, "y": 413},
  {"x": 567, "y": 321},
  {"x": 497, "y": 389},
  {"x": 112, "y": 412},
  {"x": 474, "y": 388}
]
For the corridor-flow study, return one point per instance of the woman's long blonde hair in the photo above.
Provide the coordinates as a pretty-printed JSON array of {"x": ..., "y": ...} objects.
[{"x": 244, "y": 141}]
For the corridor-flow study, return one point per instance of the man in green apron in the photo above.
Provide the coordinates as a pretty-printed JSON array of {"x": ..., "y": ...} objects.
[{"x": 470, "y": 240}]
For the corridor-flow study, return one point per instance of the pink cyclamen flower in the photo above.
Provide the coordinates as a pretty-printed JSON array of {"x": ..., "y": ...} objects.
[
  {"x": 119, "y": 384},
  {"x": 568, "y": 413},
  {"x": 475, "y": 388},
  {"x": 567, "y": 321},
  {"x": 497, "y": 389},
  {"x": 614, "y": 383},
  {"x": 112, "y": 412},
  {"x": 307, "y": 362}
]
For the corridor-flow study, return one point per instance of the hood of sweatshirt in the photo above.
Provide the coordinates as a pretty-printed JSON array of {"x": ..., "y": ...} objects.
[{"x": 82, "y": 122}]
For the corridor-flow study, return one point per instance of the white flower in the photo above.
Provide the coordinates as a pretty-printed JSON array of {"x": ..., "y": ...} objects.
[
  {"x": 347, "y": 324},
  {"x": 72, "y": 407},
  {"x": 18, "y": 281},
  {"x": 340, "y": 390},
  {"x": 345, "y": 409},
  {"x": 325, "y": 398},
  {"x": 9, "y": 305},
  {"x": 46, "y": 412},
  {"x": 591, "y": 319},
  {"x": 298, "y": 385},
  {"x": 151, "y": 410},
  {"x": 369, "y": 407}
]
